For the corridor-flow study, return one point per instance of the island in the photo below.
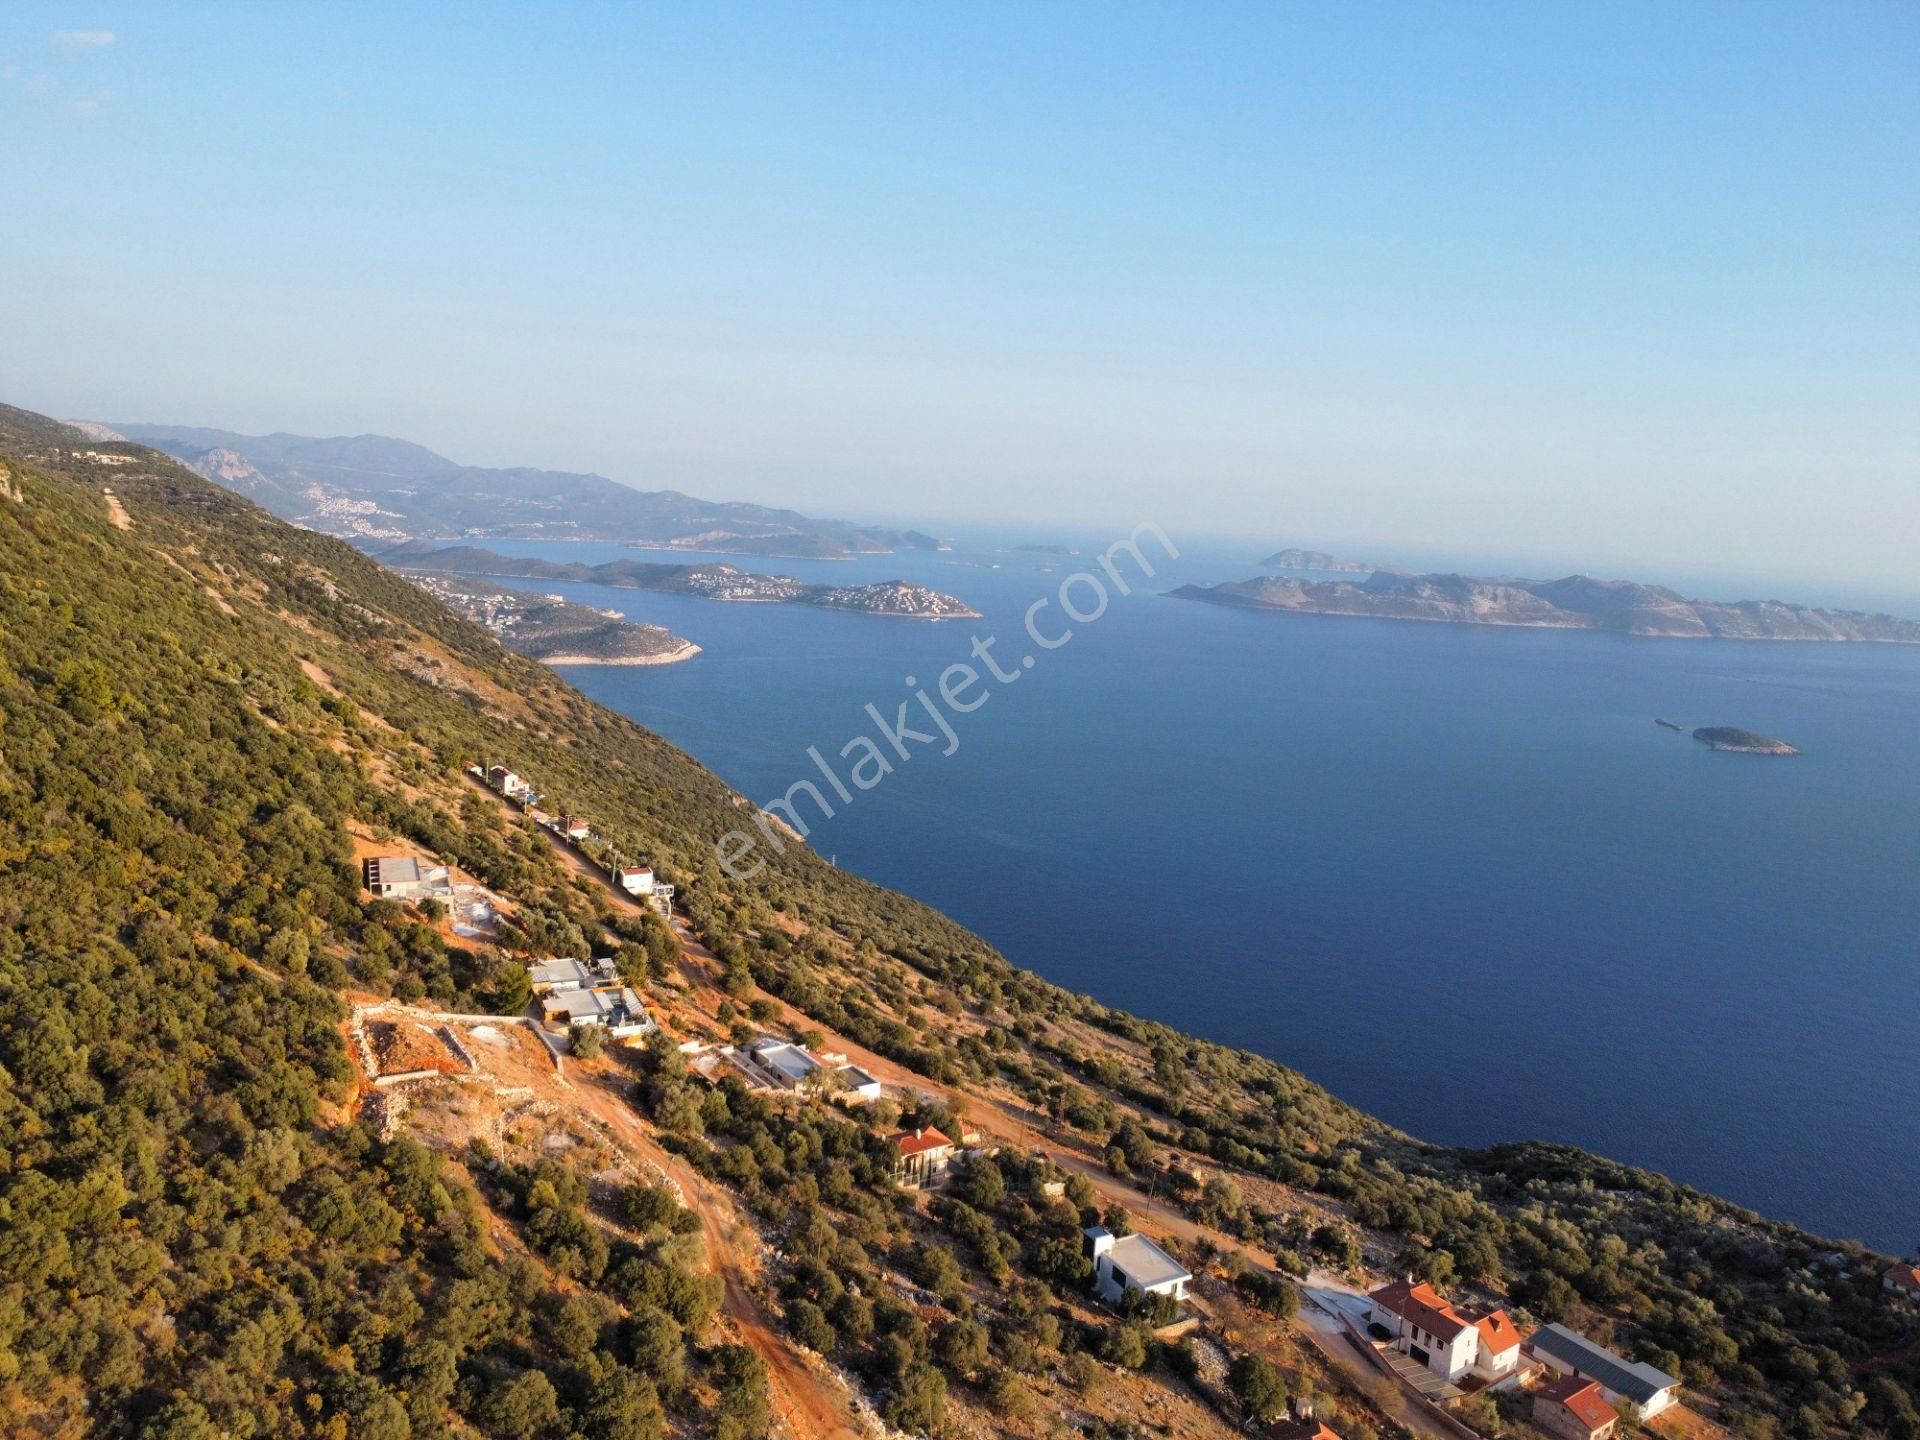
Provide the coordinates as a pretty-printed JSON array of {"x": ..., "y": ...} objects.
[
  {"x": 1576, "y": 602},
  {"x": 902, "y": 598},
  {"x": 1293, "y": 558},
  {"x": 554, "y": 630},
  {"x": 1735, "y": 741}
]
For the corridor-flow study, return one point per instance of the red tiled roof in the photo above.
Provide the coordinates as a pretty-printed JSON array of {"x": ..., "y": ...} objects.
[
  {"x": 1497, "y": 1335},
  {"x": 1904, "y": 1276},
  {"x": 1299, "y": 1430},
  {"x": 1583, "y": 1399},
  {"x": 1420, "y": 1305},
  {"x": 918, "y": 1142}
]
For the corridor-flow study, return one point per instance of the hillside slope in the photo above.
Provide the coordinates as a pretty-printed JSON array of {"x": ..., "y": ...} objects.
[{"x": 201, "y": 705}]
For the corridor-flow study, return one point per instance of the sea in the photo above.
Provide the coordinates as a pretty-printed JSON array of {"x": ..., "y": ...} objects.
[{"x": 1457, "y": 875}]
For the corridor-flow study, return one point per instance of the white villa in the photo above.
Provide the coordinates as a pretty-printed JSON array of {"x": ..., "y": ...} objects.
[
  {"x": 1132, "y": 1262},
  {"x": 1447, "y": 1342}
]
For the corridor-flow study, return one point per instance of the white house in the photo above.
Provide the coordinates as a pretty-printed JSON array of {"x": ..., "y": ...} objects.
[
  {"x": 506, "y": 782},
  {"x": 574, "y": 828},
  {"x": 614, "y": 1007},
  {"x": 1622, "y": 1381},
  {"x": 1449, "y": 1343},
  {"x": 567, "y": 974},
  {"x": 634, "y": 879},
  {"x": 1132, "y": 1262}
]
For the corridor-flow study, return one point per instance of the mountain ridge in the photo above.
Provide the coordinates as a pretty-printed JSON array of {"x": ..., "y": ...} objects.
[{"x": 379, "y": 487}]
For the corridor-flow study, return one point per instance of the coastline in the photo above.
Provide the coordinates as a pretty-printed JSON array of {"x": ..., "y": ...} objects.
[{"x": 670, "y": 657}]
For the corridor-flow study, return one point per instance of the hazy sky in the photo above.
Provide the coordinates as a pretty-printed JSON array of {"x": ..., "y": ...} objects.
[{"x": 1612, "y": 282}]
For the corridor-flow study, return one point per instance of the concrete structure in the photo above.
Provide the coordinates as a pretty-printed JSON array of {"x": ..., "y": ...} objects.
[
  {"x": 1132, "y": 1262},
  {"x": 614, "y": 1007},
  {"x": 1624, "y": 1382},
  {"x": 634, "y": 879},
  {"x": 788, "y": 1065},
  {"x": 567, "y": 974},
  {"x": 1574, "y": 1409},
  {"x": 857, "y": 1084},
  {"x": 405, "y": 877},
  {"x": 921, "y": 1157}
]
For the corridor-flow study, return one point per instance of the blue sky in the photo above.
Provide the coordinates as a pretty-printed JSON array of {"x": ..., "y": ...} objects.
[{"x": 1614, "y": 285}]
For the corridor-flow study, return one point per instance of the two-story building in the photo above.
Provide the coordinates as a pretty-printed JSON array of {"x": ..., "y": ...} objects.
[{"x": 1448, "y": 1342}]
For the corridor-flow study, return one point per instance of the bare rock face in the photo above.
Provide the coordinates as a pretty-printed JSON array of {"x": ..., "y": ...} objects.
[{"x": 1735, "y": 741}]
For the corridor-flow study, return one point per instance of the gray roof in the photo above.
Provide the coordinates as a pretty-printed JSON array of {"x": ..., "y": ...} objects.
[
  {"x": 396, "y": 870},
  {"x": 1637, "y": 1381},
  {"x": 1144, "y": 1262},
  {"x": 790, "y": 1060}
]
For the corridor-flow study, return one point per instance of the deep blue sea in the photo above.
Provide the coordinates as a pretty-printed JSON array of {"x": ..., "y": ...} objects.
[{"x": 1458, "y": 876}]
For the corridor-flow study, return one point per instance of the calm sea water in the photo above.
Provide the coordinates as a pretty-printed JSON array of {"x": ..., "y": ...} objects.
[{"x": 1458, "y": 876}]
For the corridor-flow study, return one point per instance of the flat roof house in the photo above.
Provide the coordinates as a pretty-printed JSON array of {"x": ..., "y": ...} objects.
[
  {"x": 568, "y": 974},
  {"x": 1624, "y": 1382},
  {"x": 857, "y": 1084},
  {"x": 921, "y": 1157},
  {"x": 1574, "y": 1409},
  {"x": 1132, "y": 1262},
  {"x": 615, "y": 1007},
  {"x": 403, "y": 877},
  {"x": 787, "y": 1064},
  {"x": 634, "y": 879}
]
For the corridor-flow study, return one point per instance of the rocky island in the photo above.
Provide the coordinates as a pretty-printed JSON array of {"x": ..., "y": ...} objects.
[
  {"x": 904, "y": 598},
  {"x": 1294, "y": 558},
  {"x": 554, "y": 630},
  {"x": 1735, "y": 741},
  {"x": 1576, "y": 602}
]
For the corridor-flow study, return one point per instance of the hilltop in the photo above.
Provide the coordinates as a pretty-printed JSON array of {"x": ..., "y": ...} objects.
[
  {"x": 211, "y": 1228},
  {"x": 1577, "y": 602},
  {"x": 379, "y": 488}
]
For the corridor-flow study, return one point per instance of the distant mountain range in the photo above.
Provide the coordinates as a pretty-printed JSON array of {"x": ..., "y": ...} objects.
[
  {"x": 1577, "y": 602},
  {"x": 375, "y": 488}
]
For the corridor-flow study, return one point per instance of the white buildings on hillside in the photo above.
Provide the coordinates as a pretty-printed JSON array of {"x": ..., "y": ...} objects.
[{"x": 1132, "y": 1262}]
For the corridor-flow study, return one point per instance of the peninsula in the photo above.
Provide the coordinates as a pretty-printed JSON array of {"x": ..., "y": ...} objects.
[
  {"x": 1577, "y": 602},
  {"x": 554, "y": 630},
  {"x": 904, "y": 598}
]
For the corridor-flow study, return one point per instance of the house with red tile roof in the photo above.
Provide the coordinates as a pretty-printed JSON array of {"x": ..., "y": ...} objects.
[
  {"x": 1499, "y": 1349},
  {"x": 1574, "y": 1409},
  {"x": 921, "y": 1157},
  {"x": 1447, "y": 1342},
  {"x": 1902, "y": 1279}
]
